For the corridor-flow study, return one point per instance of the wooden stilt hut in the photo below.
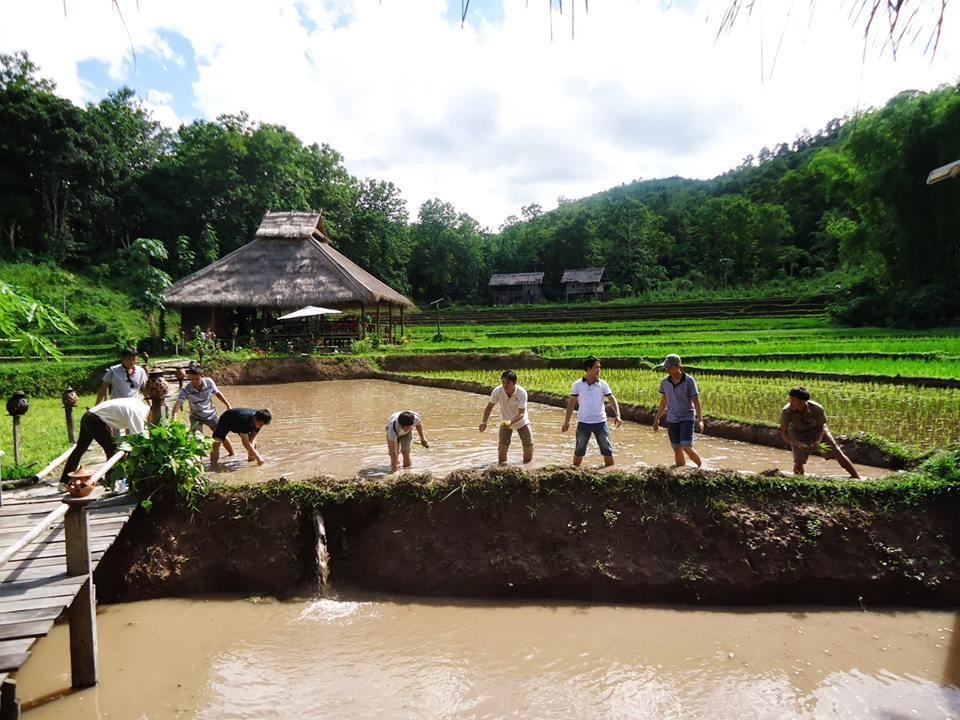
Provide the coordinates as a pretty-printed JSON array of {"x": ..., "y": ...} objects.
[{"x": 288, "y": 265}]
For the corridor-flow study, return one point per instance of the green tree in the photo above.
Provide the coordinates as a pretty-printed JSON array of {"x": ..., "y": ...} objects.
[{"x": 150, "y": 281}]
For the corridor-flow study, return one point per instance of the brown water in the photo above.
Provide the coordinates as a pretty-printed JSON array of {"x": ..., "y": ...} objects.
[
  {"x": 365, "y": 656},
  {"x": 337, "y": 428}
]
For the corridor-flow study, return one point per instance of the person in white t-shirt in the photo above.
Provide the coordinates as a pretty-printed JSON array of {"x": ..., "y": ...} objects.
[
  {"x": 590, "y": 392},
  {"x": 98, "y": 423},
  {"x": 512, "y": 400},
  {"x": 400, "y": 426}
]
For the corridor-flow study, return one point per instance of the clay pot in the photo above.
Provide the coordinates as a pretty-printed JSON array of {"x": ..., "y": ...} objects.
[
  {"x": 70, "y": 398},
  {"x": 79, "y": 482},
  {"x": 156, "y": 387},
  {"x": 17, "y": 404}
]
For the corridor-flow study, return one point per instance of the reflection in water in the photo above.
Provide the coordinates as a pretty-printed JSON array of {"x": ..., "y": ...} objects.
[
  {"x": 337, "y": 428},
  {"x": 364, "y": 655}
]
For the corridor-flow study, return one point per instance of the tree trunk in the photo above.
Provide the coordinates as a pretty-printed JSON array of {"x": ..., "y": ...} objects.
[{"x": 12, "y": 235}]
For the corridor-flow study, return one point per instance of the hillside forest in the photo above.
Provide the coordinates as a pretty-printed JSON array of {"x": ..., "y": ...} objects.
[{"x": 106, "y": 191}]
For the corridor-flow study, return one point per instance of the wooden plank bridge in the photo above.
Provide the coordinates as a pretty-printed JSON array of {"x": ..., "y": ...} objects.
[{"x": 50, "y": 544}]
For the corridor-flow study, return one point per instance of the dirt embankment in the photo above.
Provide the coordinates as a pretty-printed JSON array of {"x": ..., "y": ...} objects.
[
  {"x": 650, "y": 537},
  {"x": 287, "y": 370},
  {"x": 228, "y": 547}
]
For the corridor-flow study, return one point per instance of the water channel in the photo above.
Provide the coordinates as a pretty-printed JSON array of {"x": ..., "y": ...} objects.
[
  {"x": 337, "y": 428},
  {"x": 359, "y": 655}
]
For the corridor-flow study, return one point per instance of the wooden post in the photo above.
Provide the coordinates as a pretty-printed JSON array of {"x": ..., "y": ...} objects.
[
  {"x": 378, "y": 318},
  {"x": 83, "y": 609},
  {"x": 16, "y": 439},
  {"x": 393, "y": 335},
  {"x": 401, "y": 321},
  {"x": 71, "y": 430},
  {"x": 363, "y": 322}
]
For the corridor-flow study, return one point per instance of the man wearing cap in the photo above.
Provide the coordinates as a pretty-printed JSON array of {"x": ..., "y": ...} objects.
[
  {"x": 124, "y": 380},
  {"x": 803, "y": 426},
  {"x": 590, "y": 392},
  {"x": 200, "y": 392},
  {"x": 680, "y": 401}
]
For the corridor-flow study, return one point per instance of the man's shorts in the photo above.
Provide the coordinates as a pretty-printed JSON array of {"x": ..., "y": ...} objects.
[
  {"x": 681, "y": 433},
  {"x": 211, "y": 422},
  {"x": 585, "y": 430},
  {"x": 404, "y": 441},
  {"x": 800, "y": 456},
  {"x": 526, "y": 437}
]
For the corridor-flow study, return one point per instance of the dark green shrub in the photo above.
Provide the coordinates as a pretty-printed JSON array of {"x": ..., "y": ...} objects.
[{"x": 167, "y": 463}]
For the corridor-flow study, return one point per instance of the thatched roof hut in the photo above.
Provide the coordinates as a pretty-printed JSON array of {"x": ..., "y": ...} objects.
[
  {"x": 289, "y": 264},
  {"x": 507, "y": 288},
  {"x": 584, "y": 283}
]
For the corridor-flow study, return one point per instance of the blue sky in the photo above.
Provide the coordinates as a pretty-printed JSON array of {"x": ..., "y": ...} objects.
[
  {"x": 496, "y": 115},
  {"x": 150, "y": 71}
]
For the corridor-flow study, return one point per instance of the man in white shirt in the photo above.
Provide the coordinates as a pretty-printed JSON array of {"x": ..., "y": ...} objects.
[
  {"x": 512, "y": 400},
  {"x": 590, "y": 392},
  {"x": 98, "y": 423},
  {"x": 124, "y": 380}
]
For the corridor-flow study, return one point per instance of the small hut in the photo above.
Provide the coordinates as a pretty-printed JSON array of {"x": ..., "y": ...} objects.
[
  {"x": 584, "y": 284},
  {"x": 510, "y": 288},
  {"x": 289, "y": 264}
]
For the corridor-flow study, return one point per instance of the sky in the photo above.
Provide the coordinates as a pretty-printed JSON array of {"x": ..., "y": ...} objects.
[{"x": 512, "y": 107}]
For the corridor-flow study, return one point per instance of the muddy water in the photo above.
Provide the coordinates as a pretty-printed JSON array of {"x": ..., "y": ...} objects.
[
  {"x": 337, "y": 428},
  {"x": 365, "y": 656}
]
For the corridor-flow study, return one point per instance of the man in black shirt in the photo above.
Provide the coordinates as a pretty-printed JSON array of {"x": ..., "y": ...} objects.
[{"x": 245, "y": 422}]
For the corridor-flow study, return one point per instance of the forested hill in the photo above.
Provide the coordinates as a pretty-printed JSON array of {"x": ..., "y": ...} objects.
[{"x": 845, "y": 206}]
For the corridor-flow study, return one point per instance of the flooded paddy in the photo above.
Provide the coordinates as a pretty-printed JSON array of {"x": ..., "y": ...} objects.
[
  {"x": 365, "y": 655},
  {"x": 337, "y": 428}
]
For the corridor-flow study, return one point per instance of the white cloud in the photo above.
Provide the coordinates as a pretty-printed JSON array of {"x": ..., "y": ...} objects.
[{"x": 492, "y": 117}]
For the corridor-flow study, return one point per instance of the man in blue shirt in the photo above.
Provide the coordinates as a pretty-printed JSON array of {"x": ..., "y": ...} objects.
[{"x": 680, "y": 400}]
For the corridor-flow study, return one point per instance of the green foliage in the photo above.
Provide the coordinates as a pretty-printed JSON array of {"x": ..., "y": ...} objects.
[
  {"x": 943, "y": 466},
  {"x": 365, "y": 345},
  {"x": 40, "y": 378},
  {"x": 101, "y": 311},
  {"x": 24, "y": 320},
  {"x": 847, "y": 202},
  {"x": 167, "y": 463}
]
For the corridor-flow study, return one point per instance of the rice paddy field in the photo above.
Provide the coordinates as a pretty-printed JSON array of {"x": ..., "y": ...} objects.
[
  {"x": 799, "y": 347},
  {"x": 783, "y": 343}
]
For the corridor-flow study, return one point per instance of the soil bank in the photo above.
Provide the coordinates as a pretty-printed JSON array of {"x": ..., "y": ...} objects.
[{"x": 649, "y": 537}]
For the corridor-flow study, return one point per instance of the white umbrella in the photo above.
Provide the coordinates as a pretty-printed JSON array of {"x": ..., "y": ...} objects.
[{"x": 309, "y": 311}]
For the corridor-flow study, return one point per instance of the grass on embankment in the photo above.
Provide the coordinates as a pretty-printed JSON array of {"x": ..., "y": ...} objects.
[{"x": 936, "y": 479}]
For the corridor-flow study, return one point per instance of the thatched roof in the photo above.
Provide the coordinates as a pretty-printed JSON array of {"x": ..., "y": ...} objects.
[
  {"x": 584, "y": 275},
  {"x": 507, "y": 279},
  {"x": 288, "y": 265},
  {"x": 292, "y": 225}
]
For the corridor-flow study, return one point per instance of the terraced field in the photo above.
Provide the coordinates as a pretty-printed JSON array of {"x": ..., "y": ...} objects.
[{"x": 796, "y": 344}]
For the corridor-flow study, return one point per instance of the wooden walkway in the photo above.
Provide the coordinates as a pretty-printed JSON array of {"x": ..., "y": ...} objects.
[{"x": 35, "y": 587}]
